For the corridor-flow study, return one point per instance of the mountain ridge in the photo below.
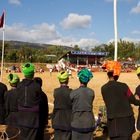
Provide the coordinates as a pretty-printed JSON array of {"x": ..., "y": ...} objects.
[{"x": 19, "y": 44}]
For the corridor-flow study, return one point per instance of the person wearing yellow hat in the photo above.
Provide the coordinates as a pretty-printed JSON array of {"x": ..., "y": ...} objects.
[
  {"x": 29, "y": 94},
  {"x": 11, "y": 106},
  {"x": 137, "y": 95},
  {"x": 118, "y": 98},
  {"x": 138, "y": 72},
  {"x": 61, "y": 117},
  {"x": 83, "y": 122}
]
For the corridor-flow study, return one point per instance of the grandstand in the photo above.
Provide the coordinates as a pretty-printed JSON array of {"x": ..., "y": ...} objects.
[{"x": 84, "y": 58}]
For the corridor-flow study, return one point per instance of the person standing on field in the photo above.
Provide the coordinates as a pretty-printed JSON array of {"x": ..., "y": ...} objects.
[
  {"x": 43, "y": 111},
  {"x": 3, "y": 89},
  {"x": 118, "y": 99},
  {"x": 29, "y": 92},
  {"x": 83, "y": 122},
  {"x": 11, "y": 106},
  {"x": 61, "y": 117},
  {"x": 137, "y": 95}
]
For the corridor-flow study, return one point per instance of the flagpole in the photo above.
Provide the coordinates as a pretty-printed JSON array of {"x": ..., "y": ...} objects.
[
  {"x": 2, "y": 57},
  {"x": 115, "y": 30}
]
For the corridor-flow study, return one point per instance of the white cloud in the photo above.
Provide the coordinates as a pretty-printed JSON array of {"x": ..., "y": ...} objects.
[
  {"x": 136, "y": 9},
  {"x": 136, "y": 32},
  {"x": 17, "y": 2},
  {"x": 38, "y": 33},
  {"x": 82, "y": 43},
  {"x": 66, "y": 41},
  {"x": 76, "y": 21},
  {"x": 44, "y": 33},
  {"x": 87, "y": 42},
  {"x": 126, "y": 39},
  {"x": 111, "y": 40},
  {"x": 131, "y": 39}
]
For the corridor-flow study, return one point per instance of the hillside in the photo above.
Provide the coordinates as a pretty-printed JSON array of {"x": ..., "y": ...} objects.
[{"x": 19, "y": 44}]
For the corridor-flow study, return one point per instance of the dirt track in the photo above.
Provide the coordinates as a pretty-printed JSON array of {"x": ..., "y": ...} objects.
[{"x": 51, "y": 82}]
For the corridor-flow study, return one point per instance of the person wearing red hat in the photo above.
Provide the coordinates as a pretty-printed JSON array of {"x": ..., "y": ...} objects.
[{"x": 118, "y": 99}]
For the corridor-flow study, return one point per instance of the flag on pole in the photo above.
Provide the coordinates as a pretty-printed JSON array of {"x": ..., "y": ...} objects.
[
  {"x": 2, "y": 20},
  {"x": 2, "y": 25}
]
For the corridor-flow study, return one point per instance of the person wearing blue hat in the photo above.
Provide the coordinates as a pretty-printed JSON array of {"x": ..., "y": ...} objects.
[{"x": 83, "y": 121}]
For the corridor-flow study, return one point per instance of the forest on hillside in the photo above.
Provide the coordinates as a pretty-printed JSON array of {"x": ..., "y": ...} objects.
[{"x": 52, "y": 53}]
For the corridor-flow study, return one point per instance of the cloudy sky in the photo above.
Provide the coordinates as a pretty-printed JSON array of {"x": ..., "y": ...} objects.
[{"x": 70, "y": 22}]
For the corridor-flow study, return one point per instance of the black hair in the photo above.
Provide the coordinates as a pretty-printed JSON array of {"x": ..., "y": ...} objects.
[
  {"x": 27, "y": 65},
  {"x": 38, "y": 80},
  {"x": 110, "y": 75},
  {"x": 116, "y": 77},
  {"x": 138, "y": 74},
  {"x": 11, "y": 76},
  {"x": 83, "y": 82},
  {"x": 62, "y": 72}
]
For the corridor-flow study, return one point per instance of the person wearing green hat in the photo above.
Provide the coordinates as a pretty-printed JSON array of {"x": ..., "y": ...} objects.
[
  {"x": 61, "y": 117},
  {"x": 13, "y": 80},
  {"x": 11, "y": 107},
  {"x": 28, "y": 70},
  {"x": 137, "y": 95},
  {"x": 29, "y": 92},
  {"x": 83, "y": 122}
]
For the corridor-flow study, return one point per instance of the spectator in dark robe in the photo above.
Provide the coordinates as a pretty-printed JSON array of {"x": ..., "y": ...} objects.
[
  {"x": 61, "y": 117},
  {"x": 118, "y": 99},
  {"x": 83, "y": 122},
  {"x": 43, "y": 111},
  {"x": 137, "y": 95},
  {"x": 3, "y": 89},
  {"x": 11, "y": 106},
  {"x": 29, "y": 95}
]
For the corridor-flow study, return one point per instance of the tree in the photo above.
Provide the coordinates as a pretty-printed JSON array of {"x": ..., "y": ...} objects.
[
  {"x": 76, "y": 48},
  {"x": 12, "y": 56}
]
